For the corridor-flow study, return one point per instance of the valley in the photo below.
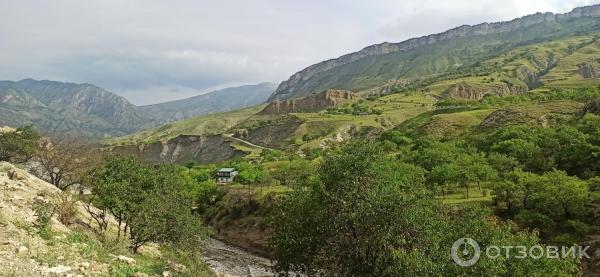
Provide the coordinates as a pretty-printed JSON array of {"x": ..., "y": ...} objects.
[{"x": 375, "y": 163}]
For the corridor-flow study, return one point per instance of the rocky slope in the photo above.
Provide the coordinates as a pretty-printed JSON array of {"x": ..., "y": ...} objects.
[
  {"x": 23, "y": 252},
  {"x": 418, "y": 57},
  {"x": 312, "y": 103},
  {"x": 70, "y": 248},
  {"x": 182, "y": 149},
  {"x": 217, "y": 101}
]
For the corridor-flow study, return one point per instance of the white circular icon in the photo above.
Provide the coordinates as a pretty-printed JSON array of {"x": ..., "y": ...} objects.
[{"x": 460, "y": 253}]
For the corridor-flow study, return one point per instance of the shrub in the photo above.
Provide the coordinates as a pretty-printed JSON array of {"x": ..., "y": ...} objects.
[
  {"x": 534, "y": 219},
  {"x": 43, "y": 214},
  {"x": 65, "y": 208}
]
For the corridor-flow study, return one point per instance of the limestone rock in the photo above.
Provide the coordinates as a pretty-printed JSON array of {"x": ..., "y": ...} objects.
[
  {"x": 321, "y": 101},
  {"x": 129, "y": 261},
  {"x": 59, "y": 269}
]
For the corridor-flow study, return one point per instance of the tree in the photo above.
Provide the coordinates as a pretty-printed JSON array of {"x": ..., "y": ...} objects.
[
  {"x": 251, "y": 174},
  {"x": 67, "y": 162},
  {"x": 295, "y": 174},
  {"x": 20, "y": 145},
  {"x": 369, "y": 215},
  {"x": 152, "y": 203},
  {"x": 442, "y": 175},
  {"x": 562, "y": 196},
  {"x": 501, "y": 163}
]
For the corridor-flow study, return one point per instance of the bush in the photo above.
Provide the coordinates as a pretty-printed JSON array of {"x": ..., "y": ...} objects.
[
  {"x": 65, "y": 208},
  {"x": 578, "y": 228},
  {"x": 534, "y": 219},
  {"x": 43, "y": 214}
]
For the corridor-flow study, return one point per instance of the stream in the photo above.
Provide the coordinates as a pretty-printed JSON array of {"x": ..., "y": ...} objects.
[{"x": 229, "y": 261}]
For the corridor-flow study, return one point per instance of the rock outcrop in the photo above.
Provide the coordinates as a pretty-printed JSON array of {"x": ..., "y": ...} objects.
[
  {"x": 589, "y": 70},
  {"x": 316, "y": 102},
  {"x": 295, "y": 85},
  {"x": 472, "y": 92},
  {"x": 182, "y": 149},
  {"x": 503, "y": 117}
]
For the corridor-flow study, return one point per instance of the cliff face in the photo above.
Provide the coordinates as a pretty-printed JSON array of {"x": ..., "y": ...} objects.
[
  {"x": 472, "y": 92},
  {"x": 182, "y": 149},
  {"x": 317, "y": 102},
  {"x": 296, "y": 84},
  {"x": 589, "y": 70}
]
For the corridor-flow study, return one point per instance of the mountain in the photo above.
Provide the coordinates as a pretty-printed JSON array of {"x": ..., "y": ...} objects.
[
  {"x": 536, "y": 69},
  {"x": 387, "y": 66},
  {"x": 90, "y": 111},
  {"x": 217, "y": 101},
  {"x": 69, "y": 109}
]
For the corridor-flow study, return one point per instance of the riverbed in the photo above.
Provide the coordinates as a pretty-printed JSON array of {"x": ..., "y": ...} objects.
[{"x": 230, "y": 261}]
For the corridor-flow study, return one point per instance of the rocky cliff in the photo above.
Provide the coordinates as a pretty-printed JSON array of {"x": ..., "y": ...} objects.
[
  {"x": 297, "y": 84},
  {"x": 316, "y": 102},
  {"x": 182, "y": 149},
  {"x": 473, "y": 92},
  {"x": 590, "y": 70}
]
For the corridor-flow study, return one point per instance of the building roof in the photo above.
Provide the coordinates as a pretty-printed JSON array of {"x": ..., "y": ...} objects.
[{"x": 227, "y": 169}]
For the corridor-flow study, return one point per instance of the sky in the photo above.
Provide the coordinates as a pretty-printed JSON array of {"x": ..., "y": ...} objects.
[{"x": 152, "y": 51}]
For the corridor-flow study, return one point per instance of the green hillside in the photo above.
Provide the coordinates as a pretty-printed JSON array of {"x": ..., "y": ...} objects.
[
  {"x": 211, "y": 124},
  {"x": 405, "y": 65},
  {"x": 515, "y": 83}
]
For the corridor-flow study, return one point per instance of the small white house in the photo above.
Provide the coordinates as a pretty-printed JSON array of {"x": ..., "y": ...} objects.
[{"x": 226, "y": 175}]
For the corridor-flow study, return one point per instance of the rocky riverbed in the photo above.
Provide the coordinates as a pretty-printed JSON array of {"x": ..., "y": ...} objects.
[{"x": 229, "y": 261}]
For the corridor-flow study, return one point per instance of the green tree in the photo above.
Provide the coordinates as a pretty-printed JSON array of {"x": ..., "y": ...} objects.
[
  {"x": 20, "y": 145},
  {"x": 442, "y": 175},
  {"x": 153, "y": 202},
  {"x": 369, "y": 215}
]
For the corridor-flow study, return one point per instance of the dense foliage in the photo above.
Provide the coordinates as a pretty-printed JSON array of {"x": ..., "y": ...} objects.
[
  {"x": 153, "y": 202},
  {"x": 371, "y": 215}
]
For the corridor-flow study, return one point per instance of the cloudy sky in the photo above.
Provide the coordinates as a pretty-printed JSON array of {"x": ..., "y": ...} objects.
[{"x": 153, "y": 51}]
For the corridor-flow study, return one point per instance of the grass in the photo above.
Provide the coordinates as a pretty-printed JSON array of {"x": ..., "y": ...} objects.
[
  {"x": 453, "y": 124},
  {"x": 458, "y": 196},
  {"x": 253, "y": 152},
  {"x": 91, "y": 248},
  {"x": 262, "y": 191}
]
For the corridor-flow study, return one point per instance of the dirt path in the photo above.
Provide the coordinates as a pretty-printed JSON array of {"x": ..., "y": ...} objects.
[{"x": 248, "y": 143}]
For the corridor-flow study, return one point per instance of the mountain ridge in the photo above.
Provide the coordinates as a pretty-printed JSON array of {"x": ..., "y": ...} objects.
[
  {"x": 291, "y": 87},
  {"x": 221, "y": 100},
  {"x": 87, "y": 110}
]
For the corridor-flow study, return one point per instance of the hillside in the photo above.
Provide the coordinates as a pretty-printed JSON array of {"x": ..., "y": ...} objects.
[
  {"x": 566, "y": 63},
  {"x": 388, "y": 67},
  {"x": 65, "y": 248},
  {"x": 204, "y": 125},
  {"x": 534, "y": 68},
  {"x": 68, "y": 109},
  {"x": 213, "y": 102}
]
